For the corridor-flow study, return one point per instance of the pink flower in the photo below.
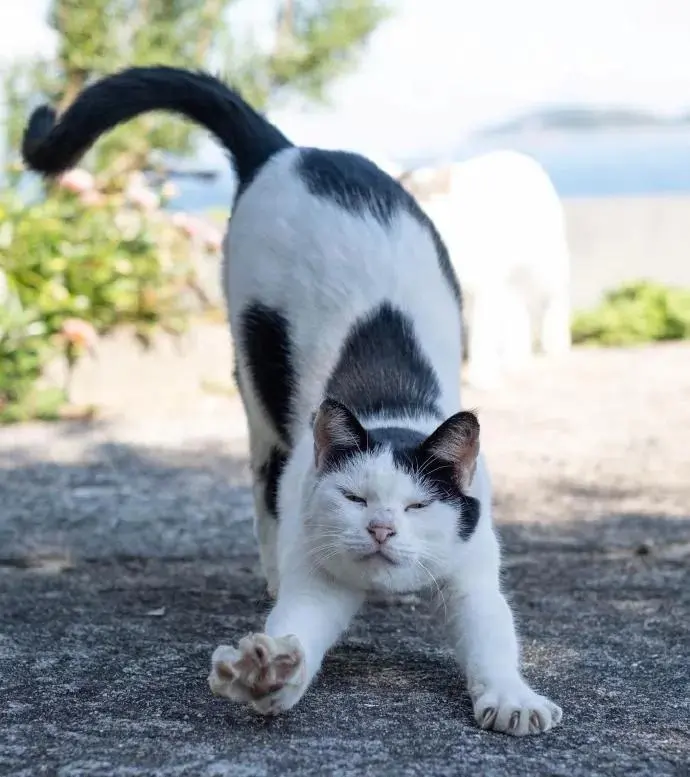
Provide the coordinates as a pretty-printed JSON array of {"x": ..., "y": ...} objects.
[
  {"x": 144, "y": 198},
  {"x": 79, "y": 332},
  {"x": 188, "y": 224},
  {"x": 92, "y": 198},
  {"x": 179, "y": 219},
  {"x": 139, "y": 194},
  {"x": 76, "y": 181},
  {"x": 213, "y": 238}
]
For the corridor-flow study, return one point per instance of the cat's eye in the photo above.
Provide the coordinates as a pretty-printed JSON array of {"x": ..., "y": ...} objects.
[
  {"x": 354, "y": 498},
  {"x": 417, "y": 506}
]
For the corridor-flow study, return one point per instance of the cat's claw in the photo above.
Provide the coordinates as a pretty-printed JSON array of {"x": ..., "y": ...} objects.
[
  {"x": 515, "y": 710},
  {"x": 266, "y": 672}
]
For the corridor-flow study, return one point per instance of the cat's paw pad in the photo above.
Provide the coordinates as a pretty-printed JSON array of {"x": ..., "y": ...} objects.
[
  {"x": 265, "y": 671},
  {"x": 515, "y": 710}
]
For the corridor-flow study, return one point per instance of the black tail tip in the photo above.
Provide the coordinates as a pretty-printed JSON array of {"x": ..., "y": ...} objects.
[{"x": 38, "y": 128}]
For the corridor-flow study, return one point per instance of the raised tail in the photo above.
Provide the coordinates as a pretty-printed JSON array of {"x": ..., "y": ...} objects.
[{"x": 51, "y": 145}]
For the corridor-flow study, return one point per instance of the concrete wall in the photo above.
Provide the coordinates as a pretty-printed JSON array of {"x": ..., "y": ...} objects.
[{"x": 624, "y": 238}]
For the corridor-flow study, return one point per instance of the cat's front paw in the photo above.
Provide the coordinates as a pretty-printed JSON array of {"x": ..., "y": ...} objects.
[
  {"x": 267, "y": 672},
  {"x": 515, "y": 709}
]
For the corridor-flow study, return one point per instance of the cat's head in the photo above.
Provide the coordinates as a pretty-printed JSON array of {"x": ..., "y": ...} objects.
[{"x": 389, "y": 505}]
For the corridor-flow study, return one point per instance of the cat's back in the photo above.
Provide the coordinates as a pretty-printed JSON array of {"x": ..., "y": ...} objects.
[
  {"x": 323, "y": 239},
  {"x": 334, "y": 221}
]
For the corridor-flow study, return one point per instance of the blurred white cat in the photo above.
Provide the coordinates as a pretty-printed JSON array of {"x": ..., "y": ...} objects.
[{"x": 504, "y": 226}]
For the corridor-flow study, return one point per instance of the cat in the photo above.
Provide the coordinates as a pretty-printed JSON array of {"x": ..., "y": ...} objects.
[
  {"x": 346, "y": 318},
  {"x": 503, "y": 222}
]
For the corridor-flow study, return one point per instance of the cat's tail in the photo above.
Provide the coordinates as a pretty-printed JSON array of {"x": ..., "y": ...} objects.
[{"x": 51, "y": 145}]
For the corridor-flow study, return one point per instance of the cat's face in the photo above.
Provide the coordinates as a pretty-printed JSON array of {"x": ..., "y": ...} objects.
[{"x": 388, "y": 509}]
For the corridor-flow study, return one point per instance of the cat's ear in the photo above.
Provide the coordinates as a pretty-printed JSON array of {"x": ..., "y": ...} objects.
[
  {"x": 456, "y": 442},
  {"x": 335, "y": 427}
]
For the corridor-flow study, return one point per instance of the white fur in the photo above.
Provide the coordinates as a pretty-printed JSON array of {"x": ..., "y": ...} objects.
[
  {"x": 504, "y": 226},
  {"x": 295, "y": 252}
]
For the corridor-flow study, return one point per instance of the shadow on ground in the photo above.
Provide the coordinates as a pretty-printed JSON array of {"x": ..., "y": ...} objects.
[{"x": 121, "y": 570}]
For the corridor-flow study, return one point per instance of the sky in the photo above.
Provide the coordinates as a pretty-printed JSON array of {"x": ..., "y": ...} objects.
[{"x": 442, "y": 68}]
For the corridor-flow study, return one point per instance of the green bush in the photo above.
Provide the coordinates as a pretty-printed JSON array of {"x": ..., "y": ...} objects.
[
  {"x": 637, "y": 312},
  {"x": 73, "y": 267}
]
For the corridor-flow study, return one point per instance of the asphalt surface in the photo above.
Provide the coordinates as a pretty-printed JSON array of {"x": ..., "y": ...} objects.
[{"x": 126, "y": 556}]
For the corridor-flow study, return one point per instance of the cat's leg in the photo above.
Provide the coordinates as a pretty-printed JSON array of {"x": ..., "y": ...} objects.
[
  {"x": 516, "y": 329},
  {"x": 272, "y": 670},
  {"x": 487, "y": 646},
  {"x": 267, "y": 462},
  {"x": 555, "y": 338},
  {"x": 483, "y": 351}
]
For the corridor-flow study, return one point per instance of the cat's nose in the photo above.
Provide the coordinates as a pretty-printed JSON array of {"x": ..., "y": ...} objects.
[{"x": 381, "y": 532}]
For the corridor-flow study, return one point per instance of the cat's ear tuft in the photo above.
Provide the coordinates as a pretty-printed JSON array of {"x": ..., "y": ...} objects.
[
  {"x": 336, "y": 428},
  {"x": 456, "y": 442}
]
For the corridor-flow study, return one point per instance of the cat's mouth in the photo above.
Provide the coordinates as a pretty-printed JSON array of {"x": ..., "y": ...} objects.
[{"x": 379, "y": 555}]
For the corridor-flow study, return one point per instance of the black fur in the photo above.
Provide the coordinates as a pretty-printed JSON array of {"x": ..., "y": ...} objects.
[
  {"x": 271, "y": 472},
  {"x": 441, "y": 481},
  {"x": 409, "y": 454},
  {"x": 51, "y": 146},
  {"x": 357, "y": 185},
  {"x": 381, "y": 369},
  {"x": 266, "y": 346},
  {"x": 397, "y": 437}
]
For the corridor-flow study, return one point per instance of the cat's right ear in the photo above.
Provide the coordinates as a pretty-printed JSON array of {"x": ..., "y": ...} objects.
[{"x": 335, "y": 428}]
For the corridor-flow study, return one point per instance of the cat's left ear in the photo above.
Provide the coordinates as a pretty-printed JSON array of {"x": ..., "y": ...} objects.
[
  {"x": 335, "y": 427},
  {"x": 456, "y": 442}
]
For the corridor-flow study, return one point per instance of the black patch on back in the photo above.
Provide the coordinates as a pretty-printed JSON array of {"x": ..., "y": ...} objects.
[
  {"x": 437, "y": 477},
  {"x": 270, "y": 473},
  {"x": 382, "y": 370},
  {"x": 265, "y": 336},
  {"x": 358, "y": 186},
  {"x": 351, "y": 181}
]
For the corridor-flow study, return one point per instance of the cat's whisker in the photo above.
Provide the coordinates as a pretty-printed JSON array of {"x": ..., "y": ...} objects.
[{"x": 438, "y": 587}]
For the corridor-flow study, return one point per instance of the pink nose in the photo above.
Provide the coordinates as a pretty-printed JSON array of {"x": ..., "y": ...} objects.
[{"x": 381, "y": 531}]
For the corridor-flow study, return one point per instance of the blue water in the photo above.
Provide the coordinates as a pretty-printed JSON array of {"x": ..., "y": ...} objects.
[{"x": 583, "y": 164}]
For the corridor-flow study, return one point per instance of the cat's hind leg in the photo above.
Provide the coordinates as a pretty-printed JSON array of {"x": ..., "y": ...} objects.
[
  {"x": 483, "y": 351},
  {"x": 555, "y": 338},
  {"x": 517, "y": 342},
  {"x": 267, "y": 461}
]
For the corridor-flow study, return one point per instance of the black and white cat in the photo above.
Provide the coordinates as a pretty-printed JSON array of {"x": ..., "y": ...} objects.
[{"x": 345, "y": 313}]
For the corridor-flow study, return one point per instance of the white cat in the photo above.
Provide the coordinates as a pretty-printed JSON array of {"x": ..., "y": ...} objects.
[
  {"x": 345, "y": 313},
  {"x": 503, "y": 222}
]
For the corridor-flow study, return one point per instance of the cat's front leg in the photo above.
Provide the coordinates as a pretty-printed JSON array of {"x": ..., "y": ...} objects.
[
  {"x": 487, "y": 650},
  {"x": 272, "y": 670}
]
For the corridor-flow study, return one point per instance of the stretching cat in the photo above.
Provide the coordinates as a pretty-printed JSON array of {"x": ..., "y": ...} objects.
[{"x": 345, "y": 313}]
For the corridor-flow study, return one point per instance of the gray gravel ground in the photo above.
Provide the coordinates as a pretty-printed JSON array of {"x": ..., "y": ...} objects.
[{"x": 126, "y": 556}]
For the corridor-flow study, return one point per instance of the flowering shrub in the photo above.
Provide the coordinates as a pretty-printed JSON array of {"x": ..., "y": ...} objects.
[{"x": 78, "y": 264}]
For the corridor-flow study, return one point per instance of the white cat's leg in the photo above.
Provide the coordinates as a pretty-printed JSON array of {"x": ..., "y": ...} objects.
[
  {"x": 487, "y": 648},
  {"x": 516, "y": 329},
  {"x": 483, "y": 351},
  {"x": 272, "y": 670},
  {"x": 267, "y": 462},
  {"x": 556, "y": 337},
  {"x": 266, "y": 533}
]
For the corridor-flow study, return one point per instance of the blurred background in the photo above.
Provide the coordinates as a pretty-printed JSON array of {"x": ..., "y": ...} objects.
[{"x": 599, "y": 93}]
